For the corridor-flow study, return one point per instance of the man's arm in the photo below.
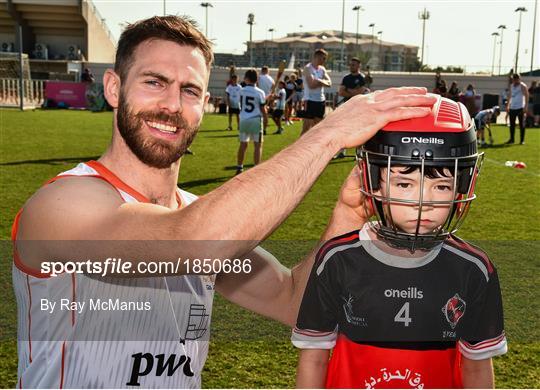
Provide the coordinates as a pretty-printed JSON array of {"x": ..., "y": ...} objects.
[
  {"x": 225, "y": 223},
  {"x": 477, "y": 374},
  {"x": 526, "y": 94},
  {"x": 348, "y": 93},
  {"x": 326, "y": 81},
  {"x": 274, "y": 291},
  {"x": 313, "y": 82}
]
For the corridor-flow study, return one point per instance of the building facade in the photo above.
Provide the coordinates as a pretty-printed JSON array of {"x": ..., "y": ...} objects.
[{"x": 378, "y": 54}]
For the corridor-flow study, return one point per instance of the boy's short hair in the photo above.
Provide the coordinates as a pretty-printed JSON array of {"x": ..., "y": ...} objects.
[
  {"x": 251, "y": 75},
  {"x": 178, "y": 29},
  {"x": 321, "y": 52}
]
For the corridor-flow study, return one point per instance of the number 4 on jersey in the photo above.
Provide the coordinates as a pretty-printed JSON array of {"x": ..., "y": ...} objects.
[{"x": 403, "y": 315}]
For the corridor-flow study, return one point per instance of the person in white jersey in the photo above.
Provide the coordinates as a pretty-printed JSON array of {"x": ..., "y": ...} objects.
[
  {"x": 233, "y": 100},
  {"x": 252, "y": 107},
  {"x": 147, "y": 329},
  {"x": 315, "y": 80},
  {"x": 281, "y": 99},
  {"x": 518, "y": 96},
  {"x": 266, "y": 83}
]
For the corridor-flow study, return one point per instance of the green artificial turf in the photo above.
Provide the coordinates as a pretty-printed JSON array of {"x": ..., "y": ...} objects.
[{"x": 247, "y": 350}]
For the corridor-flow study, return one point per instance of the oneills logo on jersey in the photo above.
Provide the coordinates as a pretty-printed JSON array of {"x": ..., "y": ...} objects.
[
  {"x": 422, "y": 140},
  {"x": 454, "y": 310},
  {"x": 411, "y": 293}
]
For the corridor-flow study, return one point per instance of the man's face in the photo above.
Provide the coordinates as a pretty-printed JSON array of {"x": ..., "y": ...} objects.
[
  {"x": 516, "y": 81},
  {"x": 319, "y": 59},
  {"x": 354, "y": 66},
  {"x": 407, "y": 186},
  {"x": 162, "y": 101}
]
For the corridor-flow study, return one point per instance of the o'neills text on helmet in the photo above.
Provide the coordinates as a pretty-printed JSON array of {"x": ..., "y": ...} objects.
[
  {"x": 422, "y": 140},
  {"x": 411, "y": 293}
]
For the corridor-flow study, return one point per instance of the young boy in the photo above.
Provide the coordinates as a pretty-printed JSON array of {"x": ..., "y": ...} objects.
[
  {"x": 280, "y": 97},
  {"x": 233, "y": 100},
  {"x": 483, "y": 120},
  {"x": 403, "y": 303},
  {"x": 252, "y": 102}
]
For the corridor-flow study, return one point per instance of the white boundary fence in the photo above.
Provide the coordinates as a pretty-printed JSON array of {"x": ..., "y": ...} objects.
[{"x": 34, "y": 95}]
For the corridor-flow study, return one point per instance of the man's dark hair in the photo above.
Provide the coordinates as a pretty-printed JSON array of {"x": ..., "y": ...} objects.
[
  {"x": 178, "y": 29},
  {"x": 516, "y": 76},
  {"x": 321, "y": 52},
  {"x": 264, "y": 69},
  {"x": 251, "y": 75}
]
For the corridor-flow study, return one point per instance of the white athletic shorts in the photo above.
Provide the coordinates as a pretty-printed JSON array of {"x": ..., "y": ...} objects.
[{"x": 251, "y": 130}]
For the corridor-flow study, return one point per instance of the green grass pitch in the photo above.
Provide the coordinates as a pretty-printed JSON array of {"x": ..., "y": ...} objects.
[{"x": 247, "y": 350}]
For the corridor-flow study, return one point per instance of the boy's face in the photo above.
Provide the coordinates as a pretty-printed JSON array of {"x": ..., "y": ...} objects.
[{"x": 407, "y": 186}]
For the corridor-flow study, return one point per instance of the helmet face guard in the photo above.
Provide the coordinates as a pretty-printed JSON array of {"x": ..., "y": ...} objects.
[{"x": 444, "y": 141}]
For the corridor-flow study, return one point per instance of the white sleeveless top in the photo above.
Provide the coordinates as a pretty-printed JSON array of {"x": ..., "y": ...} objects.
[
  {"x": 111, "y": 348},
  {"x": 315, "y": 94},
  {"x": 517, "y": 98}
]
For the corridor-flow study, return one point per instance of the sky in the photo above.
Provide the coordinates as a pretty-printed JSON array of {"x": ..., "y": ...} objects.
[{"x": 458, "y": 32}]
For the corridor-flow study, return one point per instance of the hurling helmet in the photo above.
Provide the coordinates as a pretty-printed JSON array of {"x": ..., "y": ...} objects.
[{"x": 446, "y": 140}]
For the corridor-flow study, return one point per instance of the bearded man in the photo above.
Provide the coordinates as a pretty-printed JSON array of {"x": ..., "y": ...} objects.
[{"x": 87, "y": 320}]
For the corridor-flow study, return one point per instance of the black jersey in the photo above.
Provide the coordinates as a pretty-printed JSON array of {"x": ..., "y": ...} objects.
[
  {"x": 353, "y": 81},
  {"x": 415, "y": 315}
]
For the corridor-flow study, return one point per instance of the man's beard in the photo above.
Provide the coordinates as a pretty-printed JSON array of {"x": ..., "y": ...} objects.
[{"x": 153, "y": 152}]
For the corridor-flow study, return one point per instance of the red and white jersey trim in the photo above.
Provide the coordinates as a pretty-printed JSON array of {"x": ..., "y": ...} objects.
[
  {"x": 312, "y": 339},
  {"x": 485, "y": 349}
]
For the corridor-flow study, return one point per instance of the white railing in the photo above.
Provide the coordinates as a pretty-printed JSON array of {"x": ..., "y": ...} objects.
[{"x": 10, "y": 93}]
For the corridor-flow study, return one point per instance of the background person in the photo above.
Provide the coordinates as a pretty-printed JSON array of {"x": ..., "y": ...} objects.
[
  {"x": 233, "y": 100},
  {"x": 280, "y": 99},
  {"x": 518, "y": 96},
  {"x": 266, "y": 83},
  {"x": 253, "y": 100},
  {"x": 482, "y": 120},
  {"x": 315, "y": 80},
  {"x": 352, "y": 84}
]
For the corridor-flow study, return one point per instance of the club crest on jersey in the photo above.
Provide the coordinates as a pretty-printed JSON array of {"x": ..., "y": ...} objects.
[
  {"x": 349, "y": 314},
  {"x": 454, "y": 310}
]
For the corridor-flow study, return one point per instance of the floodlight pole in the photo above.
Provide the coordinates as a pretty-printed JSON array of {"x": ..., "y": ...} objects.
[
  {"x": 206, "y": 5},
  {"x": 271, "y": 31},
  {"x": 164, "y": 8},
  {"x": 494, "y": 35},
  {"x": 342, "y": 59},
  {"x": 372, "y": 25},
  {"x": 251, "y": 22},
  {"x": 423, "y": 16},
  {"x": 357, "y": 8},
  {"x": 21, "y": 68},
  {"x": 520, "y": 10},
  {"x": 502, "y": 27},
  {"x": 381, "y": 65}
]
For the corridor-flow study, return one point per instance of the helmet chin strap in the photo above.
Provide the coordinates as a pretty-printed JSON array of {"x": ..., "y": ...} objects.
[{"x": 411, "y": 243}]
